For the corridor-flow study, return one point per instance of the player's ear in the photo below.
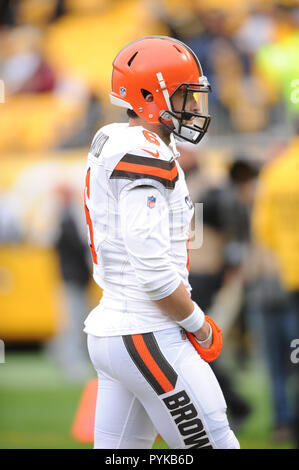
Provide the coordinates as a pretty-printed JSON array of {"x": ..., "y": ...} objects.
[
  {"x": 149, "y": 98},
  {"x": 147, "y": 95}
]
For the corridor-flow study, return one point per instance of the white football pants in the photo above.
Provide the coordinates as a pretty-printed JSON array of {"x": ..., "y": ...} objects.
[{"x": 156, "y": 383}]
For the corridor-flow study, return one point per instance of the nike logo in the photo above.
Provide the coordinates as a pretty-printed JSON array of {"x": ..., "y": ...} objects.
[{"x": 152, "y": 153}]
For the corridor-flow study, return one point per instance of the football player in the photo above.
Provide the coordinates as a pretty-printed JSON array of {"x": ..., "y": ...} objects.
[{"x": 148, "y": 341}]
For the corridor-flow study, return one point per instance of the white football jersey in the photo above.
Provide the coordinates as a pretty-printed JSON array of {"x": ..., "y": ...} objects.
[{"x": 138, "y": 212}]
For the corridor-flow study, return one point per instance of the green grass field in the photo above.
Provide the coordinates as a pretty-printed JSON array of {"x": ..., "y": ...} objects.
[{"x": 37, "y": 406}]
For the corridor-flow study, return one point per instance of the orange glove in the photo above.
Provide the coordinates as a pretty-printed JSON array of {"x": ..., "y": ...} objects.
[{"x": 214, "y": 350}]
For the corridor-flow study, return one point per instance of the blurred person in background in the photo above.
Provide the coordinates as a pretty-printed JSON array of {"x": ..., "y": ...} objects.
[
  {"x": 276, "y": 65},
  {"x": 24, "y": 68},
  {"x": 69, "y": 346},
  {"x": 10, "y": 226},
  {"x": 64, "y": 109},
  {"x": 85, "y": 128},
  {"x": 276, "y": 227},
  {"x": 204, "y": 31},
  {"x": 271, "y": 322},
  {"x": 214, "y": 31},
  {"x": 216, "y": 268}
]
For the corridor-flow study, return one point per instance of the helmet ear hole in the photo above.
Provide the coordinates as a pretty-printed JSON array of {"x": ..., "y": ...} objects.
[{"x": 147, "y": 95}]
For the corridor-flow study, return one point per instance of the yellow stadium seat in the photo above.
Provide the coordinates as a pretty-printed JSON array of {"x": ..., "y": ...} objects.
[
  {"x": 86, "y": 46},
  {"x": 36, "y": 121}
]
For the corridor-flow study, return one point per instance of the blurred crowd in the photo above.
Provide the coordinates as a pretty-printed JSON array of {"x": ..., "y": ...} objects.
[
  {"x": 55, "y": 64},
  {"x": 55, "y": 59}
]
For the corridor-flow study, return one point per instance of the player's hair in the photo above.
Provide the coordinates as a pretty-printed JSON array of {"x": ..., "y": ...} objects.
[{"x": 131, "y": 114}]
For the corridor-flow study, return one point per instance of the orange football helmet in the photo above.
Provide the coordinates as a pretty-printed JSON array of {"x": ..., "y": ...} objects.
[{"x": 146, "y": 75}]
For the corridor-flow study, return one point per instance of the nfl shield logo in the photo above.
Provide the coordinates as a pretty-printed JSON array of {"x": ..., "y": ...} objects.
[
  {"x": 122, "y": 91},
  {"x": 151, "y": 201}
]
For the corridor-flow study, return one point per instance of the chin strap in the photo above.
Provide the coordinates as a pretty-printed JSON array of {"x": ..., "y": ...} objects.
[{"x": 172, "y": 145}]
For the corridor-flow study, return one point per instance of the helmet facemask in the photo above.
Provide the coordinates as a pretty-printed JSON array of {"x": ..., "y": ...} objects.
[{"x": 191, "y": 122}]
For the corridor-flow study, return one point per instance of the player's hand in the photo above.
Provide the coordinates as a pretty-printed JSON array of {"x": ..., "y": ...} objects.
[{"x": 211, "y": 352}]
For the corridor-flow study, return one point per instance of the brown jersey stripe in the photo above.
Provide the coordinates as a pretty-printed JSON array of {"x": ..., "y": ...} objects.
[
  {"x": 168, "y": 174},
  {"x": 169, "y": 184},
  {"x": 162, "y": 380},
  {"x": 135, "y": 166},
  {"x": 148, "y": 161}
]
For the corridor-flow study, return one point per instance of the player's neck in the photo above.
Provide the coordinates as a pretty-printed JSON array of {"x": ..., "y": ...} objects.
[{"x": 157, "y": 129}]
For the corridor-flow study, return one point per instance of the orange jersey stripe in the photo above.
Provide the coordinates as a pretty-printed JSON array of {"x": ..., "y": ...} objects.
[
  {"x": 151, "y": 363},
  {"x": 188, "y": 257},
  {"x": 88, "y": 219},
  {"x": 87, "y": 182},
  {"x": 148, "y": 170},
  {"x": 89, "y": 223}
]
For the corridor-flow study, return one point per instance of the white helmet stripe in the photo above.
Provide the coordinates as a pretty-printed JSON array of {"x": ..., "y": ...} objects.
[
  {"x": 166, "y": 97},
  {"x": 164, "y": 89}
]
